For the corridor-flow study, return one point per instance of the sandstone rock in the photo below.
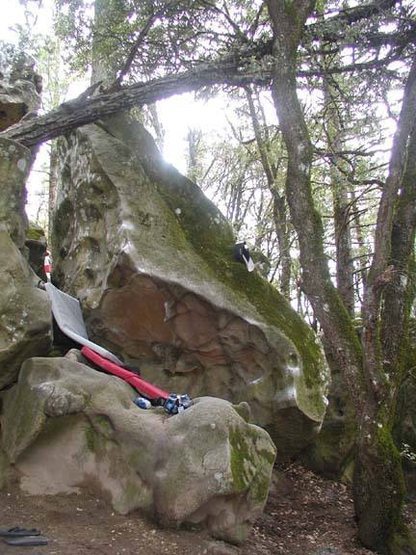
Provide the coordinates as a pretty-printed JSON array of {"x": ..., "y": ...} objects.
[
  {"x": 36, "y": 255},
  {"x": 151, "y": 260},
  {"x": 67, "y": 426},
  {"x": 14, "y": 167},
  {"x": 19, "y": 95},
  {"x": 4, "y": 469},
  {"x": 220, "y": 548},
  {"x": 25, "y": 318}
]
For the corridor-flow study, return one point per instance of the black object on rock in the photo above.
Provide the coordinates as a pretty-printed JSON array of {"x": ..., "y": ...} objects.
[{"x": 242, "y": 254}]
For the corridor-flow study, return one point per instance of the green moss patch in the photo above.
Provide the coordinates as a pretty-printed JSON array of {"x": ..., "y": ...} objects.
[{"x": 251, "y": 466}]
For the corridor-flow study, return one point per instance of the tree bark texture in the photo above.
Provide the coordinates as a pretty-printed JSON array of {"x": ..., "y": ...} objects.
[
  {"x": 399, "y": 293},
  {"x": 316, "y": 279},
  {"x": 279, "y": 201},
  {"x": 378, "y": 491},
  {"x": 88, "y": 108},
  {"x": 341, "y": 202},
  {"x": 381, "y": 273},
  {"x": 281, "y": 224}
]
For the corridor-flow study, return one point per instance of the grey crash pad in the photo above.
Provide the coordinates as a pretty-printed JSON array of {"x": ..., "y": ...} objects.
[{"x": 68, "y": 316}]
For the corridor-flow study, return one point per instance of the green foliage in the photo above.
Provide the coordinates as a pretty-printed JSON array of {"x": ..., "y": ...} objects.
[
  {"x": 73, "y": 26},
  {"x": 171, "y": 35}
]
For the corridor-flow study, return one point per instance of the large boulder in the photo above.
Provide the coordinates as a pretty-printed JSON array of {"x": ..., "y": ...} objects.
[
  {"x": 66, "y": 426},
  {"x": 25, "y": 315},
  {"x": 20, "y": 88},
  {"x": 151, "y": 260}
]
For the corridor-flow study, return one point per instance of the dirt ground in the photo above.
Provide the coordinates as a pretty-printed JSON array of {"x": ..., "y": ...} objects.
[{"x": 304, "y": 515}]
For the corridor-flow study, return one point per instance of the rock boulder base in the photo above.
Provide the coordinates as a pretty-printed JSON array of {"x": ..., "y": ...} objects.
[{"x": 67, "y": 426}]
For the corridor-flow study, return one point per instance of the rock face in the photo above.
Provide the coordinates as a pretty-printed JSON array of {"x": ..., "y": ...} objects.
[
  {"x": 66, "y": 426},
  {"x": 36, "y": 248},
  {"x": 20, "y": 86},
  {"x": 19, "y": 91},
  {"x": 25, "y": 317},
  {"x": 151, "y": 260},
  {"x": 14, "y": 167}
]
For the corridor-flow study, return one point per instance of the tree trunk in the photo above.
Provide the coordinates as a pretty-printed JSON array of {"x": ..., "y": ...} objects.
[
  {"x": 89, "y": 107},
  {"x": 363, "y": 260},
  {"x": 378, "y": 478},
  {"x": 378, "y": 491},
  {"x": 279, "y": 202},
  {"x": 400, "y": 292},
  {"x": 316, "y": 280},
  {"x": 281, "y": 224},
  {"x": 345, "y": 269},
  {"x": 341, "y": 203},
  {"x": 53, "y": 184},
  {"x": 193, "y": 171}
]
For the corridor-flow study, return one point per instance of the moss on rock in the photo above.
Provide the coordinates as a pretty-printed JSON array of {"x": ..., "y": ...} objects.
[
  {"x": 212, "y": 239},
  {"x": 35, "y": 233},
  {"x": 247, "y": 469}
]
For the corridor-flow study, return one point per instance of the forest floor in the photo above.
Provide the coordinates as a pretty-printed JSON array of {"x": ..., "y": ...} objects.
[{"x": 304, "y": 515}]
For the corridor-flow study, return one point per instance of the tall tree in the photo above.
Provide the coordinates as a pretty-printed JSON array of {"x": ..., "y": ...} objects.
[
  {"x": 378, "y": 480},
  {"x": 271, "y": 163},
  {"x": 341, "y": 199}
]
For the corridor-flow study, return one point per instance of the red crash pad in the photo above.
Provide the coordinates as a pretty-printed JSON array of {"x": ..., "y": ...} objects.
[{"x": 143, "y": 387}]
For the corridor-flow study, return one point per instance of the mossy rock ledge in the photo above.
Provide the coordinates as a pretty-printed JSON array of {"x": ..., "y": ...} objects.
[{"x": 150, "y": 258}]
